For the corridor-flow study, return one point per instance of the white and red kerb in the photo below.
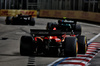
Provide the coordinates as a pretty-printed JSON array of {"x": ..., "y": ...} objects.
[{"x": 82, "y": 59}]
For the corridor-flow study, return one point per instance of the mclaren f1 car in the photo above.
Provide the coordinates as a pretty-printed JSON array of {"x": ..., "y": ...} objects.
[{"x": 53, "y": 42}]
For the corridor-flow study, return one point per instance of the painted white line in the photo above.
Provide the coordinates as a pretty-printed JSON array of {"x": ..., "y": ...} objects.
[
  {"x": 91, "y": 47},
  {"x": 93, "y": 50},
  {"x": 81, "y": 58},
  {"x": 94, "y": 43},
  {"x": 93, "y": 38},
  {"x": 75, "y": 61},
  {"x": 89, "y": 55},
  {"x": 90, "y": 52},
  {"x": 55, "y": 61}
]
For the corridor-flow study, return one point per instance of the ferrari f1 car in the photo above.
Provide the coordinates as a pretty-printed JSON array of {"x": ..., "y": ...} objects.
[
  {"x": 65, "y": 25},
  {"x": 20, "y": 19},
  {"x": 52, "y": 42}
]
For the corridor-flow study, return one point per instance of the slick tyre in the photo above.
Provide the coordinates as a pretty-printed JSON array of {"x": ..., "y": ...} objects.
[
  {"x": 49, "y": 26},
  {"x": 70, "y": 47},
  {"x": 82, "y": 44},
  {"x": 26, "y": 46},
  {"x": 8, "y": 20},
  {"x": 14, "y": 20},
  {"x": 77, "y": 30},
  {"x": 32, "y": 22}
]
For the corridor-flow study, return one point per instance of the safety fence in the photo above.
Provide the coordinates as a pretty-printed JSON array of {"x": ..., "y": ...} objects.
[
  {"x": 16, "y": 12},
  {"x": 80, "y": 15}
]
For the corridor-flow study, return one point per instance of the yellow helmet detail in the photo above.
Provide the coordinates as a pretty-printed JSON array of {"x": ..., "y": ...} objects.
[{"x": 64, "y": 17}]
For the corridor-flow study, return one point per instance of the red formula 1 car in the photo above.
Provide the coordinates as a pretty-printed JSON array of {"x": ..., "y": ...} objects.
[{"x": 52, "y": 42}]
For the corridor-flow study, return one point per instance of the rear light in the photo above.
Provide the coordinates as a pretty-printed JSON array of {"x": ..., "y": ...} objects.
[{"x": 54, "y": 28}]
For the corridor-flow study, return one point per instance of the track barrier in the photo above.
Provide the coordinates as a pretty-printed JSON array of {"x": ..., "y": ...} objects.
[
  {"x": 80, "y": 15},
  {"x": 16, "y": 12}
]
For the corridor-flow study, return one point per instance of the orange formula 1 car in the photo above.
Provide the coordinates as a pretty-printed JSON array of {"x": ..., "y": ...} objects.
[{"x": 53, "y": 42}]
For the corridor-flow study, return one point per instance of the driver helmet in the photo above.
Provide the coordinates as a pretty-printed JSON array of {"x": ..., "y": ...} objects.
[{"x": 64, "y": 17}]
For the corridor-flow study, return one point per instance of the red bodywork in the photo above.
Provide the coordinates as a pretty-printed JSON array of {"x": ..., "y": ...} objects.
[{"x": 56, "y": 38}]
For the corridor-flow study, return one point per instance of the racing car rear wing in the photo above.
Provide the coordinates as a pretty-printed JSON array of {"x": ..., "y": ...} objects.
[
  {"x": 48, "y": 32},
  {"x": 24, "y": 15},
  {"x": 67, "y": 22}
]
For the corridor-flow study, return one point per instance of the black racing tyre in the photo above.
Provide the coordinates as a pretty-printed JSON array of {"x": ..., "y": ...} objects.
[
  {"x": 26, "y": 46},
  {"x": 32, "y": 22},
  {"x": 82, "y": 44},
  {"x": 8, "y": 20},
  {"x": 77, "y": 29},
  {"x": 49, "y": 26},
  {"x": 14, "y": 20},
  {"x": 39, "y": 46},
  {"x": 70, "y": 47},
  {"x": 59, "y": 22}
]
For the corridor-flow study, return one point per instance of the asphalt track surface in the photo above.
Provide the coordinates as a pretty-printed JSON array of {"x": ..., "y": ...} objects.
[{"x": 10, "y": 43}]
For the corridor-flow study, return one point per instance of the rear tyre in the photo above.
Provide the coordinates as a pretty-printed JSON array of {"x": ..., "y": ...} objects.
[
  {"x": 49, "y": 26},
  {"x": 32, "y": 22},
  {"x": 70, "y": 47},
  {"x": 26, "y": 46},
  {"x": 77, "y": 30},
  {"x": 82, "y": 44},
  {"x": 8, "y": 20},
  {"x": 14, "y": 20}
]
